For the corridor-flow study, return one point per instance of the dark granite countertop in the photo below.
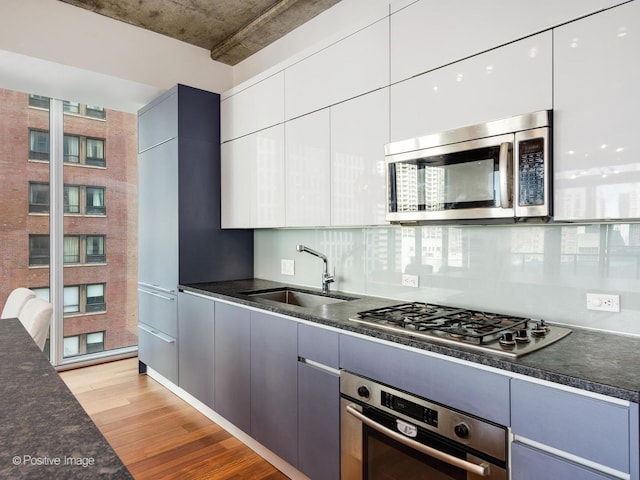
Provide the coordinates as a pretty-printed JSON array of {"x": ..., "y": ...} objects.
[
  {"x": 44, "y": 431},
  {"x": 597, "y": 362}
]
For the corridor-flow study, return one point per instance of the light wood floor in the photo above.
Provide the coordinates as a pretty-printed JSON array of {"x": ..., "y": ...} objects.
[{"x": 156, "y": 434}]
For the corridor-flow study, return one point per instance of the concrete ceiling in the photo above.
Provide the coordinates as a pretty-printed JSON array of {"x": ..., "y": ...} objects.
[{"x": 231, "y": 29}]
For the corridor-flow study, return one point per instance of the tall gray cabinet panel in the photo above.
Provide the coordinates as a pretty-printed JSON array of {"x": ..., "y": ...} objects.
[
  {"x": 180, "y": 239},
  {"x": 274, "y": 384},
  {"x": 232, "y": 364}
]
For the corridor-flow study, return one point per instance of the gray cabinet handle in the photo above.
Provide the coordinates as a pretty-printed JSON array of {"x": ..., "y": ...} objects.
[
  {"x": 157, "y": 295},
  {"x": 156, "y": 333}
]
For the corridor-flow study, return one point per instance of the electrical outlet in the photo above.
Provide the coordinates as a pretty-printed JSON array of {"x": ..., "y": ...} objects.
[
  {"x": 287, "y": 267},
  {"x": 410, "y": 280},
  {"x": 603, "y": 302}
]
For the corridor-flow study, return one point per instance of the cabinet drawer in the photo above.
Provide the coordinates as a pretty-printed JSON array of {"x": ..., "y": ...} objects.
[
  {"x": 158, "y": 351},
  {"x": 593, "y": 429},
  {"x": 159, "y": 310},
  {"x": 318, "y": 345},
  {"x": 530, "y": 464},
  {"x": 469, "y": 389}
]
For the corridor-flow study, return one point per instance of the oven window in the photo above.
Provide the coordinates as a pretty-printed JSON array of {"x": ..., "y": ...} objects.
[{"x": 386, "y": 459}]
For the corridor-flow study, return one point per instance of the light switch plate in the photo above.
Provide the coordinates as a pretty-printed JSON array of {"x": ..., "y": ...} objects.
[
  {"x": 287, "y": 267},
  {"x": 410, "y": 280}
]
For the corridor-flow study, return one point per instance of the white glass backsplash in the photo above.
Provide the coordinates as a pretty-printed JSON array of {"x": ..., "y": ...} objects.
[{"x": 542, "y": 271}]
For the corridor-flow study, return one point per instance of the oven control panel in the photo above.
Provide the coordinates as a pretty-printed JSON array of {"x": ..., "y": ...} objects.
[{"x": 409, "y": 408}]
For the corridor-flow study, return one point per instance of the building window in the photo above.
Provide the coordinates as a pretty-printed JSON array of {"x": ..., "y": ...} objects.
[
  {"x": 39, "y": 101},
  {"x": 95, "y": 152},
  {"x": 76, "y": 149},
  {"x": 78, "y": 199},
  {"x": 78, "y": 249},
  {"x": 74, "y": 108},
  {"x": 95, "y": 298},
  {"x": 38, "y": 249},
  {"x": 38, "y": 198},
  {"x": 95, "y": 201},
  {"x": 96, "y": 112},
  {"x": 84, "y": 343},
  {"x": 71, "y": 199},
  {"x": 95, "y": 249},
  {"x": 71, "y": 107},
  {"x": 79, "y": 298},
  {"x": 38, "y": 145}
]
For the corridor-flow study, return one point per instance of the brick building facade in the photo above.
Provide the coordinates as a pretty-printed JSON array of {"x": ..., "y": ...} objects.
[{"x": 109, "y": 229}]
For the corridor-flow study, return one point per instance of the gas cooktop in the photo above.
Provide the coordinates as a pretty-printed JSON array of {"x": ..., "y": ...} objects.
[{"x": 491, "y": 332}]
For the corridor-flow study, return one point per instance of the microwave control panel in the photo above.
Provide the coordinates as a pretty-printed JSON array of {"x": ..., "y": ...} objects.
[{"x": 531, "y": 172}]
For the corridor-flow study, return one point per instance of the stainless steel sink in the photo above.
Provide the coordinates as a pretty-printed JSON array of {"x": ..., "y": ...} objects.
[{"x": 296, "y": 297}]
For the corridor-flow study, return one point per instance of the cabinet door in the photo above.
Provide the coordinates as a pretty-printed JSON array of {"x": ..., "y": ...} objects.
[
  {"x": 318, "y": 423},
  {"x": 443, "y": 32},
  {"x": 530, "y": 464},
  {"x": 307, "y": 167},
  {"x": 589, "y": 428},
  {"x": 596, "y": 121},
  {"x": 158, "y": 216},
  {"x": 158, "y": 309},
  {"x": 252, "y": 187},
  {"x": 274, "y": 385},
  {"x": 346, "y": 69},
  {"x": 158, "y": 121},
  {"x": 196, "y": 347},
  {"x": 471, "y": 390},
  {"x": 504, "y": 82},
  {"x": 232, "y": 377},
  {"x": 257, "y": 107},
  {"x": 359, "y": 131}
]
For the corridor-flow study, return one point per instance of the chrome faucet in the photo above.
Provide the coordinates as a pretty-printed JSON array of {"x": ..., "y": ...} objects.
[{"x": 326, "y": 278}]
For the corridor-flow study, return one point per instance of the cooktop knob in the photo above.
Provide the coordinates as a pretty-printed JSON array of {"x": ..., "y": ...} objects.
[
  {"x": 506, "y": 340},
  {"x": 363, "y": 391},
  {"x": 540, "y": 329},
  {"x": 522, "y": 336},
  {"x": 461, "y": 430}
]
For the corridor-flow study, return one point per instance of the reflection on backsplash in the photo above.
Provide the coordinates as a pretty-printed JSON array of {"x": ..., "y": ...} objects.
[{"x": 540, "y": 271}]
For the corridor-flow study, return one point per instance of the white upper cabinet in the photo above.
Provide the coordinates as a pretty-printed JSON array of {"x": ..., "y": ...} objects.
[
  {"x": 432, "y": 33},
  {"x": 307, "y": 168},
  {"x": 507, "y": 81},
  {"x": 596, "y": 121},
  {"x": 252, "y": 187},
  {"x": 348, "y": 68},
  {"x": 259, "y": 106},
  {"x": 359, "y": 131}
]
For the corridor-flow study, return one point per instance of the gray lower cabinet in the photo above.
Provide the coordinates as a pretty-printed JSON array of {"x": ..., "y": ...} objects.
[
  {"x": 232, "y": 364},
  {"x": 196, "y": 346},
  {"x": 530, "y": 464},
  {"x": 584, "y": 427},
  {"x": 274, "y": 384},
  {"x": 318, "y": 403}
]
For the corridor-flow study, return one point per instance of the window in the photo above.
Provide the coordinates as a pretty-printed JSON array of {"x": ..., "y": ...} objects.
[
  {"x": 74, "y": 108},
  {"x": 38, "y": 249},
  {"x": 95, "y": 298},
  {"x": 71, "y": 249},
  {"x": 96, "y": 112},
  {"x": 95, "y": 152},
  {"x": 38, "y": 198},
  {"x": 95, "y": 201},
  {"x": 71, "y": 149},
  {"x": 84, "y": 343},
  {"x": 79, "y": 298},
  {"x": 95, "y": 249},
  {"x": 71, "y": 107},
  {"x": 71, "y": 199},
  {"x": 39, "y": 101},
  {"x": 38, "y": 145}
]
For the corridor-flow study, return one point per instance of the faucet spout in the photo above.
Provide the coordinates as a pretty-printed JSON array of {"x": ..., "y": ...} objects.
[{"x": 326, "y": 278}]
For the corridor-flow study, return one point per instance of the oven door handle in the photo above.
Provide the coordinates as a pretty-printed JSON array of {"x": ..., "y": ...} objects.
[
  {"x": 506, "y": 177},
  {"x": 481, "y": 470}
]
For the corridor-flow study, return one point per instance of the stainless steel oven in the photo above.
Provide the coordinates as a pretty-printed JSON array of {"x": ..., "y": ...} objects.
[
  {"x": 494, "y": 172},
  {"x": 389, "y": 434}
]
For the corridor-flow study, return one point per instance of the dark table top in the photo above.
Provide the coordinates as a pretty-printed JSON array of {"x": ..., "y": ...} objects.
[
  {"x": 598, "y": 362},
  {"x": 44, "y": 431}
]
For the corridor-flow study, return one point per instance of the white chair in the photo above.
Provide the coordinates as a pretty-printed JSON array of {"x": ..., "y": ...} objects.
[
  {"x": 36, "y": 317},
  {"x": 17, "y": 299}
]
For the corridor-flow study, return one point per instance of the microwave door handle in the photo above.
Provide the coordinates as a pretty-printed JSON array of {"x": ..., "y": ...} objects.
[
  {"x": 481, "y": 470},
  {"x": 506, "y": 177}
]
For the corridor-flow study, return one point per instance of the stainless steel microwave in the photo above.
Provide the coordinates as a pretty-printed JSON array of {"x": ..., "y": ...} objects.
[{"x": 496, "y": 172}]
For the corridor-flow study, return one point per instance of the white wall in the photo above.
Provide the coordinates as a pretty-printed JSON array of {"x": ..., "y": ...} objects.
[{"x": 55, "y": 49}]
